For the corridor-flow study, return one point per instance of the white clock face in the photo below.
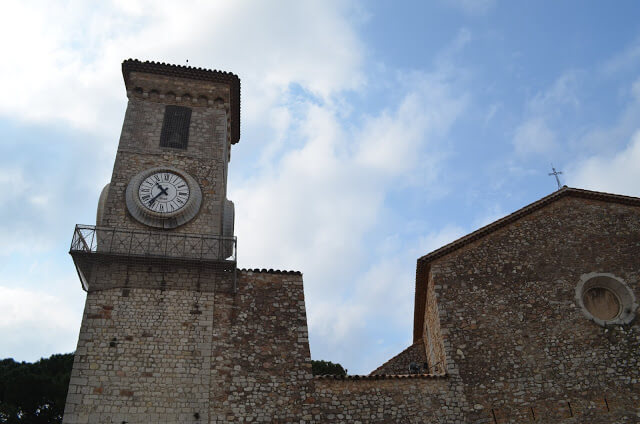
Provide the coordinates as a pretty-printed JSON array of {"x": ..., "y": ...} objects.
[{"x": 164, "y": 192}]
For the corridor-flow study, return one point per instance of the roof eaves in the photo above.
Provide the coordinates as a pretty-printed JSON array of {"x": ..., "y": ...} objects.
[{"x": 269, "y": 271}]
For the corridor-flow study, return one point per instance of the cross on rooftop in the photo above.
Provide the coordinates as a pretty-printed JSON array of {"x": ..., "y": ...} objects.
[{"x": 555, "y": 174}]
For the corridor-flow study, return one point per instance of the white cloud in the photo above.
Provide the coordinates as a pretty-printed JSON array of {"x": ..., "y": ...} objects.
[
  {"x": 391, "y": 142},
  {"x": 13, "y": 181},
  {"x": 318, "y": 195},
  {"x": 563, "y": 92},
  {"x": 608, "y": 140},
  {"x": 322, "y": 197},
  {"x": 534, "y": 137},
  {"x": 63, "y": 61},
  {"x": 375, "y": 320},
  {"x": 537, "y": 134},
  {"x": 618, "y": 173},
  {"x": 65, "y": 67},
  {"x": 313, "y": 209},
  {"x": 624, "y": 60},
  {"x": 33, "y": 318}
]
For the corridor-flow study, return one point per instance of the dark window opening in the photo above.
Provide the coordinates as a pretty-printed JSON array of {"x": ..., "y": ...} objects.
[{"x": 175, "y": 127}]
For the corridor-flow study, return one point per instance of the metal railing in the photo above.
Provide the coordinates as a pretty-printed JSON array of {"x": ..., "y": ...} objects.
[{"x": 156, "y": 244}]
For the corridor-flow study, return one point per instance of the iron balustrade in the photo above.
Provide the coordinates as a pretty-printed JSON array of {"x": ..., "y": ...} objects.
[{"x": 156, "y": 244}]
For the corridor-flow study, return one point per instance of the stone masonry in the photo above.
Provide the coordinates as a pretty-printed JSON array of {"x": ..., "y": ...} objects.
[
  {"x": 152, "y": 355},
  {"x": 205, "y": 159},
  {"x": 501, "y": 332},
  {"x": 502, "y": 308}
]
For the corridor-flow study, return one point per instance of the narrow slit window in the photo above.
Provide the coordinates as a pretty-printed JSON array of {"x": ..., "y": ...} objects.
[{"x": 175, "y": 127}]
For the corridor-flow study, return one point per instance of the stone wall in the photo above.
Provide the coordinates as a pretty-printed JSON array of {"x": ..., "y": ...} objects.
[
  {"x": 180, "y": 354},
  {"x": 409, "y": 399},
  {"x": 262, "y": 365},
  {"x": 432, "y": 336},
  {"x": 401, "y": 363},
  {"x": 176, "y": 353},
  {"x": 170, "y": 343},
  {"x": 511, "y": 327},
  {"x": 143, "y": 356}
]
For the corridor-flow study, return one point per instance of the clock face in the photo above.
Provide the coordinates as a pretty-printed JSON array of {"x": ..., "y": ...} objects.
[
  {"x": 164, "y": 192},
  {"x": 163, "y": 197}
]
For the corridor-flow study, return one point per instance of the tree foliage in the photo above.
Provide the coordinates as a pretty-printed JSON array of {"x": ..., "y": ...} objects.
[
  {"x": 34, "y": 393},
  {"x": 326, "y": 368}
]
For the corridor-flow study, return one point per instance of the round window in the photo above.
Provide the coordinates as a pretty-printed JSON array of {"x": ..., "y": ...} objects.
[
  {"x": 602, "y": 303},
  {"x": 606, "y": 299}
]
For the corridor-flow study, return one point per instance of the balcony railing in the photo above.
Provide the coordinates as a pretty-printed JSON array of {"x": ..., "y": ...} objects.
[
  {"x": 155, "y": 244},
  {"x": 93, "y": 245}
]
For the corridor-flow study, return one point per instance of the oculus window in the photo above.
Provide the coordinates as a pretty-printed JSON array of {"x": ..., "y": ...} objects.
[{"x": 606, "y": 299}]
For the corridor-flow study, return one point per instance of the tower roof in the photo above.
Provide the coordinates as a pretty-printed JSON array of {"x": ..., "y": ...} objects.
[{"x": 188, "y": 72}]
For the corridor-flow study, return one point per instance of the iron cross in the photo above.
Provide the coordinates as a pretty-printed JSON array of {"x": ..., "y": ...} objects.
[{"x": 555, "y": 174}]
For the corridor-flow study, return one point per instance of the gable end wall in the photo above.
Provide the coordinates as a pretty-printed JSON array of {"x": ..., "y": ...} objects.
[{"x": 511, "y": 326}]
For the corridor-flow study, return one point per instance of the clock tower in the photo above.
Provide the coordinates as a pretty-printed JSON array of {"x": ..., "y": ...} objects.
[
  {"x": 175, "y": 146},
  {"x": 161, "y": 249}
]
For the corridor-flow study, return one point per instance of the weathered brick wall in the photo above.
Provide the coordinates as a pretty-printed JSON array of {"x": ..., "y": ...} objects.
[{"x": 511, "y": 327}]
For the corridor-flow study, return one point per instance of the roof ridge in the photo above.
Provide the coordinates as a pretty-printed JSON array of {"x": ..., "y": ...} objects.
[{"x": 526, "y": 210}]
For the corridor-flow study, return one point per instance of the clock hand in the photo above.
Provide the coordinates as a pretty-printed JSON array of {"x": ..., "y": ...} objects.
[
  {"x": 162, "y": 190},
  {"x": 152, "y": 201}
]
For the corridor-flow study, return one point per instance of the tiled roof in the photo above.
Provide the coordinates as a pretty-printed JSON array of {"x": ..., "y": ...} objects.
[
  {"x": 269, "y": 271},
  {"x": 378, "y": 376},
  {"x": 134, "y": 65},
  {"x": 421, "y": 289}
]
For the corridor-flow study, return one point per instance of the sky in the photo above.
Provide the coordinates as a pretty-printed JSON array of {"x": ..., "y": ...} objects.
[{"x": 372, "y": 132}]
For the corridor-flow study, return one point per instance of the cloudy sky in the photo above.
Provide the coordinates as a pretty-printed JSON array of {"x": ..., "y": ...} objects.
[{"x": 372, "y": 133}]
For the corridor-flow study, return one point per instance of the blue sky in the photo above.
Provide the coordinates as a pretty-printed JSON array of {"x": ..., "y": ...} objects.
[{"x": 372, "y": 133}]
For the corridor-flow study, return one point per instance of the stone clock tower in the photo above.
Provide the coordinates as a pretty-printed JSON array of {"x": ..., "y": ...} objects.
[
  {"x": 161, "y": 249},
  {"x": 171, "y": 165}
]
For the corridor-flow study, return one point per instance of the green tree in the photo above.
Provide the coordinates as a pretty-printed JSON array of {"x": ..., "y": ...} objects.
[
  {"x": 34, "y": 393},
  {"x": 326, "y": 368}
]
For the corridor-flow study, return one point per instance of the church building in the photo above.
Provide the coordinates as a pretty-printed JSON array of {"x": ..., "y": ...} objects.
[{"x": 531, "y": 318}]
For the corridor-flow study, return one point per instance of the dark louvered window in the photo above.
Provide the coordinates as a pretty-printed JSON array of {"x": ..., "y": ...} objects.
[{"x": 175, "y": 127}]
